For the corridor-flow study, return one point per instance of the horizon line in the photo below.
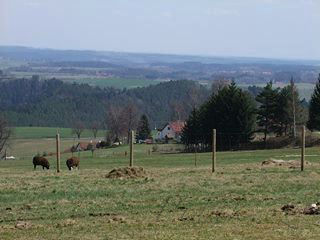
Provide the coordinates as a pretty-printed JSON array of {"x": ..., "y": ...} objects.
[{"x": 294, "y": 59}]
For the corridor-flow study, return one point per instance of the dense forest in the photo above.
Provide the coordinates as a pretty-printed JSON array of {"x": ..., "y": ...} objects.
[{"x": 54, "y": 103}]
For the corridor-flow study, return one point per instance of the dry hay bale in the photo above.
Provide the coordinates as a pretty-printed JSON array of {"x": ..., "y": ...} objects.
[
  {"x": 285, "y": 163},
  {"x": 127, "y": 172}
]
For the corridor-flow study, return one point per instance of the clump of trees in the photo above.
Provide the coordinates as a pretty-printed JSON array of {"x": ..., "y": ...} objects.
[
  {"x": 231, "y": 111},
  {"x": 237, "y": 116},
  {"x": 280, "y": 110},
  {"x": 5, "y": 133},
  {"x": 143, "y": 130},
  {"x": 314, "y": 108}
]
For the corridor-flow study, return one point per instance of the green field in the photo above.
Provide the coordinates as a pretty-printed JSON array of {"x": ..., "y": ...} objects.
[
  {"x": 46, "y": 132},
  {"x": 175, "y": 200}
]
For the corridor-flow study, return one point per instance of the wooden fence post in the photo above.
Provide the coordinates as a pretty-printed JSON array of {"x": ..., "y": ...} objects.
[
  {"x": 131, "y": 149},
  {"x": 58, "y": 151},
  {"x": 195, "y": 156},
  {"x": 303, "y": 147},
  {"x": 214, "y": 148}
]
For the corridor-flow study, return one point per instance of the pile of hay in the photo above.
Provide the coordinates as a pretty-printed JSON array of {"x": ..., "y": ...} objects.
[
  {"x": 284, "y": 163},
  {"x": 127, "y": 172}
]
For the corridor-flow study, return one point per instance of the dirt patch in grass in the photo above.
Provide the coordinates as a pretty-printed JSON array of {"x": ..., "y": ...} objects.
[
  {"x": 227, "y": 213},
  {"x": 23, "y": 225},
  {"x": 283, "y": 163},
  {"x": 313, "y": 209},
  {"x": 127, "y": 172}
]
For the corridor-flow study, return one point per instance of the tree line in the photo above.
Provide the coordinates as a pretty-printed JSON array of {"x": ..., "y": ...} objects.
[
  {"x": 53, "y": 103},
  {"x": 238, "y": 116}
]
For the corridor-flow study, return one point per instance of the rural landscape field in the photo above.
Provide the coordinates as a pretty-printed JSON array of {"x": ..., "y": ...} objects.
[
  {"x": 164, "y": 120},
  {"x": 173, "y": 199}
]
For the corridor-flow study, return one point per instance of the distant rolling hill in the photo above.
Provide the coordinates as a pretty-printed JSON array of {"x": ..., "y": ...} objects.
[{"x": 37, "y": 54}]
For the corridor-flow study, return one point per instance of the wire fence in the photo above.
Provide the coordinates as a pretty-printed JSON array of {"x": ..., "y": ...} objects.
[{"x": 231, "y": 141}]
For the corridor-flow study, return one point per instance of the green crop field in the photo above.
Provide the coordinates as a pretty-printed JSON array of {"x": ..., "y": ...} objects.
[
  {"x": 47, "y": 132},
  {"x": 174, "y": 200}
]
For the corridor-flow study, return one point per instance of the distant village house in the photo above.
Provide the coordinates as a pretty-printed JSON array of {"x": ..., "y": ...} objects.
[{"x": 171, "y": 131}]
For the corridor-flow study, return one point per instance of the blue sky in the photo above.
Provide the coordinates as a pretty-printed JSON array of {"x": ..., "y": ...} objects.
[{"x": 252, "y": 28}]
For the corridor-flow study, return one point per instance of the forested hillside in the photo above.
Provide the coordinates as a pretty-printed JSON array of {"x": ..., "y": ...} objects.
[{"x": 54, "y": 103}]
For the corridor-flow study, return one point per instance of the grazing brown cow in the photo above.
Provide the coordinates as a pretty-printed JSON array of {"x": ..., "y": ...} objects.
[
  {"x": 73, "y": 162},
  {"x": 40, "y": 161}
]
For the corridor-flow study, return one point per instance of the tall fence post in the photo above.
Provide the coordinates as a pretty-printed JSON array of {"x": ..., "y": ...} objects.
[
  {"x": 214, "y": 148},
  {"x": 131, "y": 148},
  {"x": 58, "y": 151},
  {"x": 303, "y": 147},
  {"x": 195, "y": 156}
]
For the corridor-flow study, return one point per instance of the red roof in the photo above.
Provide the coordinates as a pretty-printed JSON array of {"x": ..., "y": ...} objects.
[{"x": 177, "y": 126}]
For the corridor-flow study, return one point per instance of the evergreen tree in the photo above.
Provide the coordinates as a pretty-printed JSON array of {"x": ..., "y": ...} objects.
[
  {"x": 268, "y": 109},
  {"x": 143, "y": 129},
  {"x": 191, "y": 135},
  {"x": 314, "y": 109},
  {"x": 283, "y": 118},
  {"x": 231, "y": 111}
]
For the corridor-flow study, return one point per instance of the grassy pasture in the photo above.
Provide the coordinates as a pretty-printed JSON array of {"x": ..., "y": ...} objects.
[
  {"x": 47, "y": 132},
  {"x": 176, "y": 201}
]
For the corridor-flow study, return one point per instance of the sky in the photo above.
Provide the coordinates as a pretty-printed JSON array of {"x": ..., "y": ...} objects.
[{"x": 287, "y": 29}]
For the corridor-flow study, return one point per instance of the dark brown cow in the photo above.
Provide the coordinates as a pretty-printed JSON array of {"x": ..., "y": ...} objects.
[
  {"x": 41, "y": 161},
  {"x": 73, "y": 162}
]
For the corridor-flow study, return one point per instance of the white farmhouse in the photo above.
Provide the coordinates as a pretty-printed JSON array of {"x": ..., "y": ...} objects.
[{"x": 171, "y": 131}]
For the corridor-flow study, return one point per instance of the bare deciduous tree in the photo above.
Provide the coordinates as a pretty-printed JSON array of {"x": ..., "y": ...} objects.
[
  {"x": 78, "y": 128},
  {"x": 116, "y": 122},
  {"x": 131, "y": 118},
  {"x": 5, "y": 133},
  {"x": 121, "y": 120},
  {"x": 219, "y": 84},
  {"x": 179, "y": 112},
  {"x": 95, "y": 129}
]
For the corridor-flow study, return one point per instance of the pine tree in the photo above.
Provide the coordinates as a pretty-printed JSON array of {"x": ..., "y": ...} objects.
[
  {"x": 282, "y": 112},
  {"x": 233, "y": 115},
  {"x": 143, "y": 129},
  {"x": 231, "y": 111},
  {"x": 267, "y": 112},
  {"x": 314, "y": 109},
  {"x": 191, "y": 132}
]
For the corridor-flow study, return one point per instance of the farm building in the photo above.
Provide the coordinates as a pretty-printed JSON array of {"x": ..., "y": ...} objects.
[{"x": 171, "y": 131}]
